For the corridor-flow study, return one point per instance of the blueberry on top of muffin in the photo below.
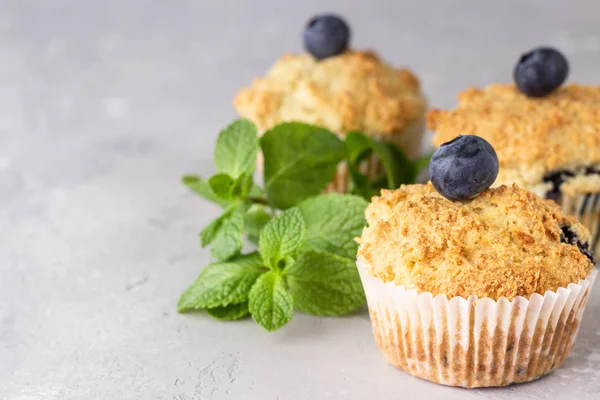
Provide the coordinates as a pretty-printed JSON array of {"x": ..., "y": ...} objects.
[
  {"x": 355, "y": 90},
  {"x": 326, "y": 35},
  {"x": 505, "y": 242},
  {"x": 463, "y": 167},
  {"x": 540, "y": 71}
]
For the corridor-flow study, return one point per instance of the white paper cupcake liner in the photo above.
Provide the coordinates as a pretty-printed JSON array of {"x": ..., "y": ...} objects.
[
  {"x": 473, "y": 342},
  {"x": 409, "y": 140},
  {"x": 586, "y": 208}
]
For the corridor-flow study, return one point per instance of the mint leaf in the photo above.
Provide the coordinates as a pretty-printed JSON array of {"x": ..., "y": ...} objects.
[
  {"x": 324, "y": 284},
  {"x": 236, "y": 149},
  {"x": 271, "y": 305},
  {"x": 357, "y": 146},
  {"x": 250, "y": 260},
  {"x": 231, "y": 312},
  {"x": 209, "y": 233},
  {"x": 332, "y": 222},
  {"x": 255, "y": 220},
  {"x": 226, "y": 188},
  {"x": 282, "y": 237},
  {"x": 220, "y": 284},
  {"x": 242, "y": 186},
  {"x": 222, "y": 186},
  {"x": 404, "y": 169},
  {"x": 361, "y": 184},
  {"x": 202, "y": 188},
  {"x": 227, "y": 241},
  {"x": 397, "y": 167},
  {"x": 300, "y": 160}
]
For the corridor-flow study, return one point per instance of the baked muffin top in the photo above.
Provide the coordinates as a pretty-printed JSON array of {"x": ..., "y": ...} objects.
[
  {"x": 532, "y": 136},
  {"x": 506, "y": 242},
  {"x": 352, "y": 91}
]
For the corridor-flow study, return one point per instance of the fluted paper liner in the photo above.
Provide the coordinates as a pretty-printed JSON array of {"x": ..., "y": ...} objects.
[
  {"x": 473, "y": 342},
  {"x": 586, "y": 208},
  {"x": 408, "y": 140}
]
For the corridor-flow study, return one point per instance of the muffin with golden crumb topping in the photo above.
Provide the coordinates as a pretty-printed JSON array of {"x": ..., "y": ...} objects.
[
  {"x": 486, "y": 291},
  {"x": 351, "y": 91},
  {"x": 549, "y": 145}
]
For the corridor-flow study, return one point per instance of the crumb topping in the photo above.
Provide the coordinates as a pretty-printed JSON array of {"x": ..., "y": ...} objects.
[
  {"x": 505, "y": 242},
  {"x": 353, "y": 91}
]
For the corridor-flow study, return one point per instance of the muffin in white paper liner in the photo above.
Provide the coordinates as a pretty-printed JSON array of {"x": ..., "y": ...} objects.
[
  {"x": 586, "y": 208},
  {"x": 473, "y": 342}
]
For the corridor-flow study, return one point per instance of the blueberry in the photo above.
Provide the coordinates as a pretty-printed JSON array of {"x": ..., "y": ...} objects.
[
  {"x": 326, "y": 35},
  {"x": 569, "y": 237},
  {"x": 540, "y": 71},
  {"x": 463, "y": 167}
]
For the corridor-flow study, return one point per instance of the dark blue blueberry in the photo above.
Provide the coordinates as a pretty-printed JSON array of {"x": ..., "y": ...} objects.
[
  {"x": 541, "y": 71},
  {"x": 556, "y": 179},
  {"x": 463, "y": 167},
  {"x": 569, "y": 237},
  {"x": 326, "y": 35}
]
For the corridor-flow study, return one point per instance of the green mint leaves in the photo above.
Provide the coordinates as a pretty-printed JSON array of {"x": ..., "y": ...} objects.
[
  {"x": 333, "y": 220},
  {"x": 398, "y": 169},
  {"x": 221, "y": 284},
  {"x": 255, "y": 220},
  {"x": 236, "y": 150},
  {"x": 202, "y": 187},
  {"x": 306, "y": 248},
  {"x": 287, "y": 270},
  {"x": 325, "y": 284},
  {"x": 300, "y": 161},
  {"x": 228, "y": 238},
  {"x": 282, "y": 238},
  {"x": 231, "y": 312},
  {"x": 271, "y": 304}
]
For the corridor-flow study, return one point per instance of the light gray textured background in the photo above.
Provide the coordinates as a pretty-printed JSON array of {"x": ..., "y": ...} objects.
[{"x": 104, "y": 104}]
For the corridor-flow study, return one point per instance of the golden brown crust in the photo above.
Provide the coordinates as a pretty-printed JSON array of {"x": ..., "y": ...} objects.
[
  {"x": 530, "y": 135},
  {"x": 504, "y": 242},
  {"x": 353, "y": 91}
]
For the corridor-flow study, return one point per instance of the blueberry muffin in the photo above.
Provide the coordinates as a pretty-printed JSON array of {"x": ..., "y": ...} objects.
[
  {"x": 547, "y": 137},
  {"x": 481, "y": 292},
  {"x": 341, "y": 90}
]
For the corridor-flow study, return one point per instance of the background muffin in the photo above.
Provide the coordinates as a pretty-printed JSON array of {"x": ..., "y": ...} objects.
[
  {"x": 483, "y": 292},
  {"x": 355, "y": 90},
  {"x": 547, "y": 137}
]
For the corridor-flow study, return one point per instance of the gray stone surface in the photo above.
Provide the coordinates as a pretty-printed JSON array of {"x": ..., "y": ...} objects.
[{"x": 104, "y": 104}]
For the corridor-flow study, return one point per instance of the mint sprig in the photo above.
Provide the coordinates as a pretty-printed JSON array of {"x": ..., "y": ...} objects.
[
  {"x": 285, "y": 268},
  {"x": 306, "y": 248}
]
